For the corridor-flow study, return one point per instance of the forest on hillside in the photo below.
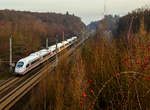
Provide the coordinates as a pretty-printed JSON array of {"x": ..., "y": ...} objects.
[
  {"x": 121, "y": 26},
  {"x": 29, "y": 31},
  {"x": 134, "y": 19}
]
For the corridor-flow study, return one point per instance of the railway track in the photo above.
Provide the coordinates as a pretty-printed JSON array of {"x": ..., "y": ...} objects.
[
  {"x": 15, "y": 88},
  {"x": 6, "y": 83}
]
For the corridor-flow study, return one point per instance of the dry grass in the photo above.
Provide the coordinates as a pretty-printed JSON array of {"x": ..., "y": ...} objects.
[
  {"x": 103, "y": 75},
  {"x": 61, "y": 90}
]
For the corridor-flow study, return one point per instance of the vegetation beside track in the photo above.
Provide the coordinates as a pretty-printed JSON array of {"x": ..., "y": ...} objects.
[{"x": 104, "y": 74}]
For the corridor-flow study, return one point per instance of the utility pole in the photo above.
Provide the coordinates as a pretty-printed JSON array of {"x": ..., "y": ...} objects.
[
  {"x": 47, "y": 42},
  {"x": 83, "y": 36},
  {"x": 56, "y": 51},
  {"x": 63, "y": 37},
  {"x": 10, "y": 54}
]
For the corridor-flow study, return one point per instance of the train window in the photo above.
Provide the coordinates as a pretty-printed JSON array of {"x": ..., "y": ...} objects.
[
  {"x": 45, "y": 55},
  {"x": 34, "y": 61},
  {"x": 27, "y": 66},
  {"x": 20, "y": 64}
]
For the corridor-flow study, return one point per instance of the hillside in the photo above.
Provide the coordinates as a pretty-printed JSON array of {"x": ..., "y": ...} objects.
[
  {"x": 93, "y": 25},
  {"x": 30, "y": 30},
  {"x": 109, "y": 24}
]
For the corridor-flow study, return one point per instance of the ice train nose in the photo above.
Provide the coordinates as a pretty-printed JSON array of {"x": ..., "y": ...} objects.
[{"x": 18, "y": 70}]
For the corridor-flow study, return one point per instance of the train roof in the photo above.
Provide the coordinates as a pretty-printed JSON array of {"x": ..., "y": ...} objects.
[
  {"x": 69, "y": 40},
  {"x": 59, "y": 45},
  {"x": 65, "y": 42},
  {"x": 43, "y": 52},
  {"x": 52, "y": 48},
  {"x": 74, "y": 37},
  {"x": 34, "y": 54},
  {"x": 29, "y": 59}
]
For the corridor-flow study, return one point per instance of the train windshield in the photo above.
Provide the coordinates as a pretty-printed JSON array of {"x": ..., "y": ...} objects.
[{"x": 20, "y": 64}]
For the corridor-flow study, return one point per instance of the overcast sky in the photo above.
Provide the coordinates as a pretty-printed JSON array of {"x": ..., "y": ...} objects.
[{"x": 88, "y": 10}]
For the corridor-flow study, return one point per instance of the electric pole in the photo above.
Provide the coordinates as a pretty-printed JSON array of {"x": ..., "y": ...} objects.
[
  {"x": 63, "y": 37},
  {"x": 83, "y": 36},
  {"x": 56, "y": 51},
  {"x": 46, "y": 42},
  {"x": 10, "y": 54}
]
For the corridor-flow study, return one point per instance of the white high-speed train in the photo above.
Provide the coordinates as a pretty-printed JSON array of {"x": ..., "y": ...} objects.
[{"x": 26, "y": 64}]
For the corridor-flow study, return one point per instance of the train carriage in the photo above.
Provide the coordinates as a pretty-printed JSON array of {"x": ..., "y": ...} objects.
[{"x": 26, "y": 64}]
